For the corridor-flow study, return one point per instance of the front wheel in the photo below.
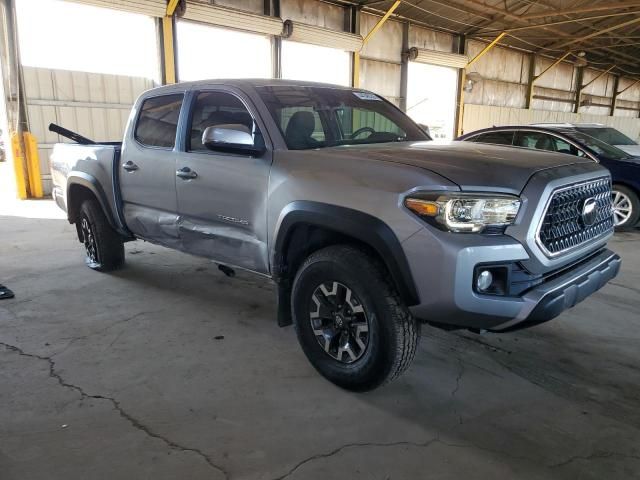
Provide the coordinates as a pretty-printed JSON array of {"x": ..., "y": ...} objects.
[
  {"x": 350, "y": 321},
  {"x": 626, "y": 207}
]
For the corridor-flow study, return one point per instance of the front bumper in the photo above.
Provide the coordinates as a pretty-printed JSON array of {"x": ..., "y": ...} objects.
[
  {"x": 444, "y": 280},
  {"x": 569, "y": 288}
]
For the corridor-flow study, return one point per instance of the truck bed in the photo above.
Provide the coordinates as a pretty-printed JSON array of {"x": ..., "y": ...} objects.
[{"x": 94, "y": 164}]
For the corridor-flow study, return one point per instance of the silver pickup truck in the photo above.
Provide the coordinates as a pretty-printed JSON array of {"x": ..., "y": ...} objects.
[{"x": 366, "y": 226}]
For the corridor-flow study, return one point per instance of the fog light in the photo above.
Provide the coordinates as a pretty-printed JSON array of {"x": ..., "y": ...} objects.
[{"x": 484, "y": 281}]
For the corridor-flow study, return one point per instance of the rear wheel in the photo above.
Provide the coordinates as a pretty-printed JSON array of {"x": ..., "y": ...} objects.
[
  {"x": 626, "y": 207},
  {"x": 103, "y": 246},
  {"x": 350, "y": 321}
]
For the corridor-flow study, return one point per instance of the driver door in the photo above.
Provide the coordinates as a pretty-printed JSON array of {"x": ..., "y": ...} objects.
[{"x": 222, "y": 196}]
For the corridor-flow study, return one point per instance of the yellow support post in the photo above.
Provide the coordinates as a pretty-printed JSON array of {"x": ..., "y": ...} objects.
[
  {"x": 33, "y": 165},
  {"x": 463, "y": 79},
  {"x": 381, "y": 22},
  {"x": 169, "y": 54},
  {"x": 19, "y": 166},
  {"x": 356, "y": 69},
  {"x": 365, "y": 40},
  {"x": 171, "y": 7}
]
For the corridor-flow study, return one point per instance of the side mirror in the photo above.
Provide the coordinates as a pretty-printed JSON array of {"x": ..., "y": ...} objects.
[{"x": 230, "y": 138}]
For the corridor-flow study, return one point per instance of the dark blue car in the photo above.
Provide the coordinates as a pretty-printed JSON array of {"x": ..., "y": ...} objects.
[{"x": 625, "y": 168}]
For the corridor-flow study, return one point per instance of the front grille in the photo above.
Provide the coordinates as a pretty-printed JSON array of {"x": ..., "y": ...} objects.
[{"x": 563, "y": 227}]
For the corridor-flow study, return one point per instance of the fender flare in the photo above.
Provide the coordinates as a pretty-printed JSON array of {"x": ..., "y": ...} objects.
[
  {"x": 353, "y": 223},
  {"x": 90, "y": 183}
]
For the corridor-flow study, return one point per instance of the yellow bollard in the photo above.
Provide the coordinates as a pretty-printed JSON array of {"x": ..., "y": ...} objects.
[
  {"x": 33, "y": 165},
  {"x": 19, "y": 166}
]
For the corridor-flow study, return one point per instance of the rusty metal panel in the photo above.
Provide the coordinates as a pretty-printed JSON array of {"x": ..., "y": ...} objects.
[
  {"x": 560, "y": 77},
  {"x": 603, "y": 86},
  {"x": 555, "y": 105},
  {"x": 497, "y": 93},
  {"x": 499, "y": 63},
  {"x": 386, "y": 43},
  {"x": 420, "y": 37},
  {"x": 253, "y": 6},
  {"x": 313, "y": 13},
  {"x": 382, "y": 78},
  {"x": 633, "y": 92}
]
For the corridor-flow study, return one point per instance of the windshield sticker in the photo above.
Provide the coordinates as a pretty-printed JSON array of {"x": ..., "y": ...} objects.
[{"x": 366, "y": 96}]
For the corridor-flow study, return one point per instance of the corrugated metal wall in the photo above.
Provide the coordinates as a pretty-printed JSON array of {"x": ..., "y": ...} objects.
[
  {"x": 504, "y": 75},
  {"x": 380, "y": 58},
  {"x": 482, "y": 116},
  {"x": 629, "y": 99},
  {"x": 313, "y": 13},
  {"x": 500, "y": 95},
  {"x": 94, "y": 105}
]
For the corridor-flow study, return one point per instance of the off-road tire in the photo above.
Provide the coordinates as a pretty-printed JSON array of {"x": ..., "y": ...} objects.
[
  {"x": 393, "y": 332},
  {"x": 107, "y": 245}
]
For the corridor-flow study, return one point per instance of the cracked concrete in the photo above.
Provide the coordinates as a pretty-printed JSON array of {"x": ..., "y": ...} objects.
[{"x": 125, "y": 375}]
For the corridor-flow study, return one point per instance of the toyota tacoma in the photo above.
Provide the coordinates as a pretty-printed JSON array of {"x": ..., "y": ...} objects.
[{"x": 367, "y": 228}]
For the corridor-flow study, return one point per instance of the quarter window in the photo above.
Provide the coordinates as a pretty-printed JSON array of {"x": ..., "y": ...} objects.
[
  {"x": 158, "y": 121},
  {"x": 216, "y": 109}
]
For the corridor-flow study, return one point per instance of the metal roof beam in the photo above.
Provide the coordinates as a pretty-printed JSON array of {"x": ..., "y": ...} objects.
[
  {"x": 578, "y": 10},
  {"x": 600, "y": 32}
]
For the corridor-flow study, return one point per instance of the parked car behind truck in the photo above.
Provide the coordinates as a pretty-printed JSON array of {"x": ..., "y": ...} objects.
[
  {"x": 568, "y": 139},
  {"x": 367, "y": 227}
]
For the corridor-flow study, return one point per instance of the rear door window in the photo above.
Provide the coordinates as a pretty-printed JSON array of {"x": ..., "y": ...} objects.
[
  {"x": 562, "y": 146},
  {"x": 536, "y": 141},
  {"x": 496, "y": 138},
  {"x": 158, "y": 121}
]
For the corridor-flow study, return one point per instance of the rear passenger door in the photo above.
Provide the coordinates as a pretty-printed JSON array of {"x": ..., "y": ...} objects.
[
  {"x": 147, "y": 170},
  {"x": 222, "y": 200}
]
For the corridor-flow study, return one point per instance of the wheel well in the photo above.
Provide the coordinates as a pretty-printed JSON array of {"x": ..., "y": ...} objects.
[
  {"x": 76, "y": 196},
  {"x": 305, "y": 239},
  {"x": 630, "y": 187}
]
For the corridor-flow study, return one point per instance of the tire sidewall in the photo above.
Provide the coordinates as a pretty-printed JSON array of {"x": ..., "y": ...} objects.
[
  {"x": 86, "y": 213},
  {"x": 373, "y": 366}
]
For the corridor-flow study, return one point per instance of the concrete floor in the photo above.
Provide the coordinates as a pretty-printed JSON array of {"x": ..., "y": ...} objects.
[{"x": 169, "y": 369}]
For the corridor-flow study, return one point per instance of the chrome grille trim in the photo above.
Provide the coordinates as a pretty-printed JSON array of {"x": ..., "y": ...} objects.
[{"x": 561, "y": 229}]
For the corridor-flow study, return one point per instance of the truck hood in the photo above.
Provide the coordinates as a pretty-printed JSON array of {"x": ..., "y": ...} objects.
[
  {"x": 630, "y": 149},
  {"x": 472, "y": 166}
]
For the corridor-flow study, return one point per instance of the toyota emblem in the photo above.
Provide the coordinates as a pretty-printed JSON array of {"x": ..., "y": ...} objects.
[{"x": 589, "y": 212}]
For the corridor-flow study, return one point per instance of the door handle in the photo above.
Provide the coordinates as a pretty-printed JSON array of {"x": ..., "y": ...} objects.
[
  {"x": 130, "y": 166},
  {"x": 186, "y": 173}
]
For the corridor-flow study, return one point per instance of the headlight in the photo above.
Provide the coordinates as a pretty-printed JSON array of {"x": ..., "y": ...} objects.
[{"x": 465, "y": 212}]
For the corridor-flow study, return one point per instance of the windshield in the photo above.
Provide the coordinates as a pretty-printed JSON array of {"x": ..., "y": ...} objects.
[
  {"x": 318, "y": 117},
  {"x": 608, "y": 135},
  {"x": 599, "y": 147}
]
